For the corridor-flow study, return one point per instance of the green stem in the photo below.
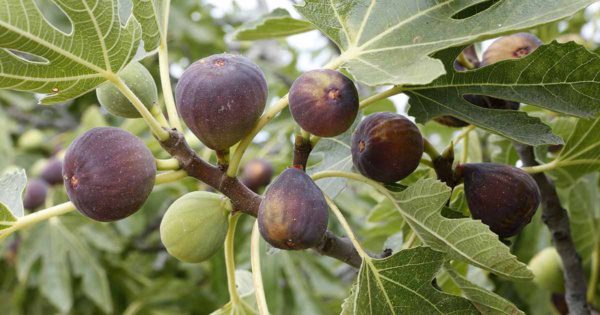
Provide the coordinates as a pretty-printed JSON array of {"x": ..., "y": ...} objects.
[
  {"x": 154, "y": 125},
  {"x": 463, "y": 134},
  {"x": 430, "y": 150},
  {"x": 465, "y": 152},
  {"x": 427, "y": 162},
  {"x": 593, "y": 284},
  {"x": 168, "y": 164},
  {"x": 259, "y": 290},
  {"x": 340, "y": 216},
  {"x": 169, "y": 177},
  {"x": 158, "y": 114},
  {"x": 541, "y": 168},
  {"x": 230, "y": 260},
  {"x": 380, "y": 96},
  {"x": 37, "y": 217},
  {"x": 165, "y": 77}
]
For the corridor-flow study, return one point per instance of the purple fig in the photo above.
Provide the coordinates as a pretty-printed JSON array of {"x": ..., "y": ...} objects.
[
  {"x": 257, "y": 174},
  {"x": 35, "y": 194},
  {"x": 52, "y": 172}
]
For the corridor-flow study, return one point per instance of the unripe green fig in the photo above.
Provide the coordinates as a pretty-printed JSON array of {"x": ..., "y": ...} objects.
[
  {"x": 141, "y": 83},
  {"x": 547, "y": 270},
  {"x": 35, "y": 194},
  {"x": 504, "y": 197},
  {"x": 195, "y": 225},
  {"x": 324, "y": 102},
  {"x": 294, "y": 212},
  {"x": 386, "y": 147},
  {"x": 257, "y": 174},
  {"x": 52, "y": 172},
  {"x": 108, "y": 173},
  {"x": 220, "y": 98},
  {"x": 31, "y": 140}
]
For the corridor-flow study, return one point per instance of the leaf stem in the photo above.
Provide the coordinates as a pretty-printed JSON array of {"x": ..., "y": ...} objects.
[
  {"x": 593, "y": 283},
  {"x": 463, "y": 134},
  {"x": 259, "y": 290},
  {"x": 380, "y": 96},
  {"x": 168, "y": 164},
  {"x": 154, "y": 125},
  {"x": 36, "y": 217},
  {"x": 346, "y": 226},
  {"x": 169, "y": 177},
  {"x": 430, "y": 150},
  {"x": 165, "y": 77},
  {"x": 230, "y": 260}
]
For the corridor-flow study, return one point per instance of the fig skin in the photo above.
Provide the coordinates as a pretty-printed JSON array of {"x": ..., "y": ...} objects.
[
  {"x": 35, "y": 194},
  {"x": 220, "y": 98},
  {"x": 547, "y": 270},
  {"x": 386, "y": 147},
  {"x": 294, "y": 213},
  {"x": 513, "y": 46},
  {"x": 504, "y": 197},
  {"x": 141, "y": 83},
  {"x": 257, "y": 174},
  {"x": 324, "y": 102},
  {"x": 194, "y": 227},
  {"x": 108, "y": 173},
  {"x": 52, "y": 172}
]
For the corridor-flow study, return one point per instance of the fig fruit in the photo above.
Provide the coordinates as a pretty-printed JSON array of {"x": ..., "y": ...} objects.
[
  {"x": 141, "y": 83},
  {"x": 31, "y": 140},
  {"x": 220, "y": 98},
  {"x": 35, "y": 194},
  {"x": 294, "y": 212},
  {"x": 513, "y": 46},
  {"x": 324, "y": 102},
  {"x": 108, "y": 173},
  {"x": 257, "y": 174},
  {"x": 547, "y": 270},
  {"x": 52, "y": 172},
  {"x": 195, "y": 225},
  {"x": 386, "y": 147},
  {"x": 504, "y": 197}
]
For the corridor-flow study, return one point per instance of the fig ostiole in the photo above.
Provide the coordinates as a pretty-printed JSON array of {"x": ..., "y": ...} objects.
[
  {"x": 108, "y": 173},
  {"x": 141, "y": 83},
  {"x": 294, "y": 213},
  {"x": 194, "y": 227},
  {"x": 324, "y": 102},
  {"x": 503, "y": 197},
  {"x": 35, "y": 194},
  {"x": 386, "y": 147},
  {"x": 220, "y": 98}
]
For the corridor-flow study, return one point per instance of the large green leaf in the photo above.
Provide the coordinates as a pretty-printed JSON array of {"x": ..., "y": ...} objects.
[
  {"x": 12, "y": 186},
  {"x": 148, "y": 13},
  {"x": 464, "y": 239},
  {"x": 390, "y": 42},
  {"x": 58, "y": 248},
  {"x": 401, "y": 284},
  {"x": 487, "y": 302},
  {"x": 558, "y": 77},
  {"x": 581, "y": 154},
  {"x": 63, "y": 66},
  {"x": 276, "y": 24}
]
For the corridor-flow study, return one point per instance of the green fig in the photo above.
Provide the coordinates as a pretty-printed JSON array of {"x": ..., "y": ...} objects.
[
  {"x": 195, "y": 225},
  {"x": 141, "y": 83},
  {"x": 547, "y": 270}
]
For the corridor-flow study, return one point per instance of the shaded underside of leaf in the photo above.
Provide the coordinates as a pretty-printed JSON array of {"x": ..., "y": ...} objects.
[{"x": 276, "y": 24}]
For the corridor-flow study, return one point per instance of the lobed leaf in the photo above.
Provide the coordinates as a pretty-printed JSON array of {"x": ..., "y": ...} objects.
[{"x": 276, "y": 24}]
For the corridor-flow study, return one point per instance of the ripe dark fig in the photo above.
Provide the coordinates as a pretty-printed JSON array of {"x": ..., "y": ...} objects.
[
  {"x": 141, "y": 83},
  {"x": 324, "y": 102},
  {"x": 513, "y": 46},
  {"x": 503, "y": 197},
  {"x": 108, "y": 173},
  {"x": 386, "y": 147},
  {"x": 35, "y": 194},
  {"x": 52, "y": 172},
  {"x": 220, "y": 98},
  {"x": 294, "y": 212},
  {"x": 257, "y": 174}
]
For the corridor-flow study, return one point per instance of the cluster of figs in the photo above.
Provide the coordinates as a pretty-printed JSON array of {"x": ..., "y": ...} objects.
[{"x": 109, "y": 173}]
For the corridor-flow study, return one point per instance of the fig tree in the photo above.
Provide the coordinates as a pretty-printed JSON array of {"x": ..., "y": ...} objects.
[
  {"x": 108, "y": 173},
  {"x": 386, "y": 147},
  {"x": 294, "y": 212},
  {"x": 504, "y": 197},
  {"x": 547, "y": 270},
  {"x": 195, "y": 225},
  {"x": 257, "y": 174},
  {"x": 52, "y": 172},
  {"x": 141, "y": 83},
  {"x": 220, "y": 98},
  {"x": 35, "y": 194},
  {"x": 324, "y": 102}
]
